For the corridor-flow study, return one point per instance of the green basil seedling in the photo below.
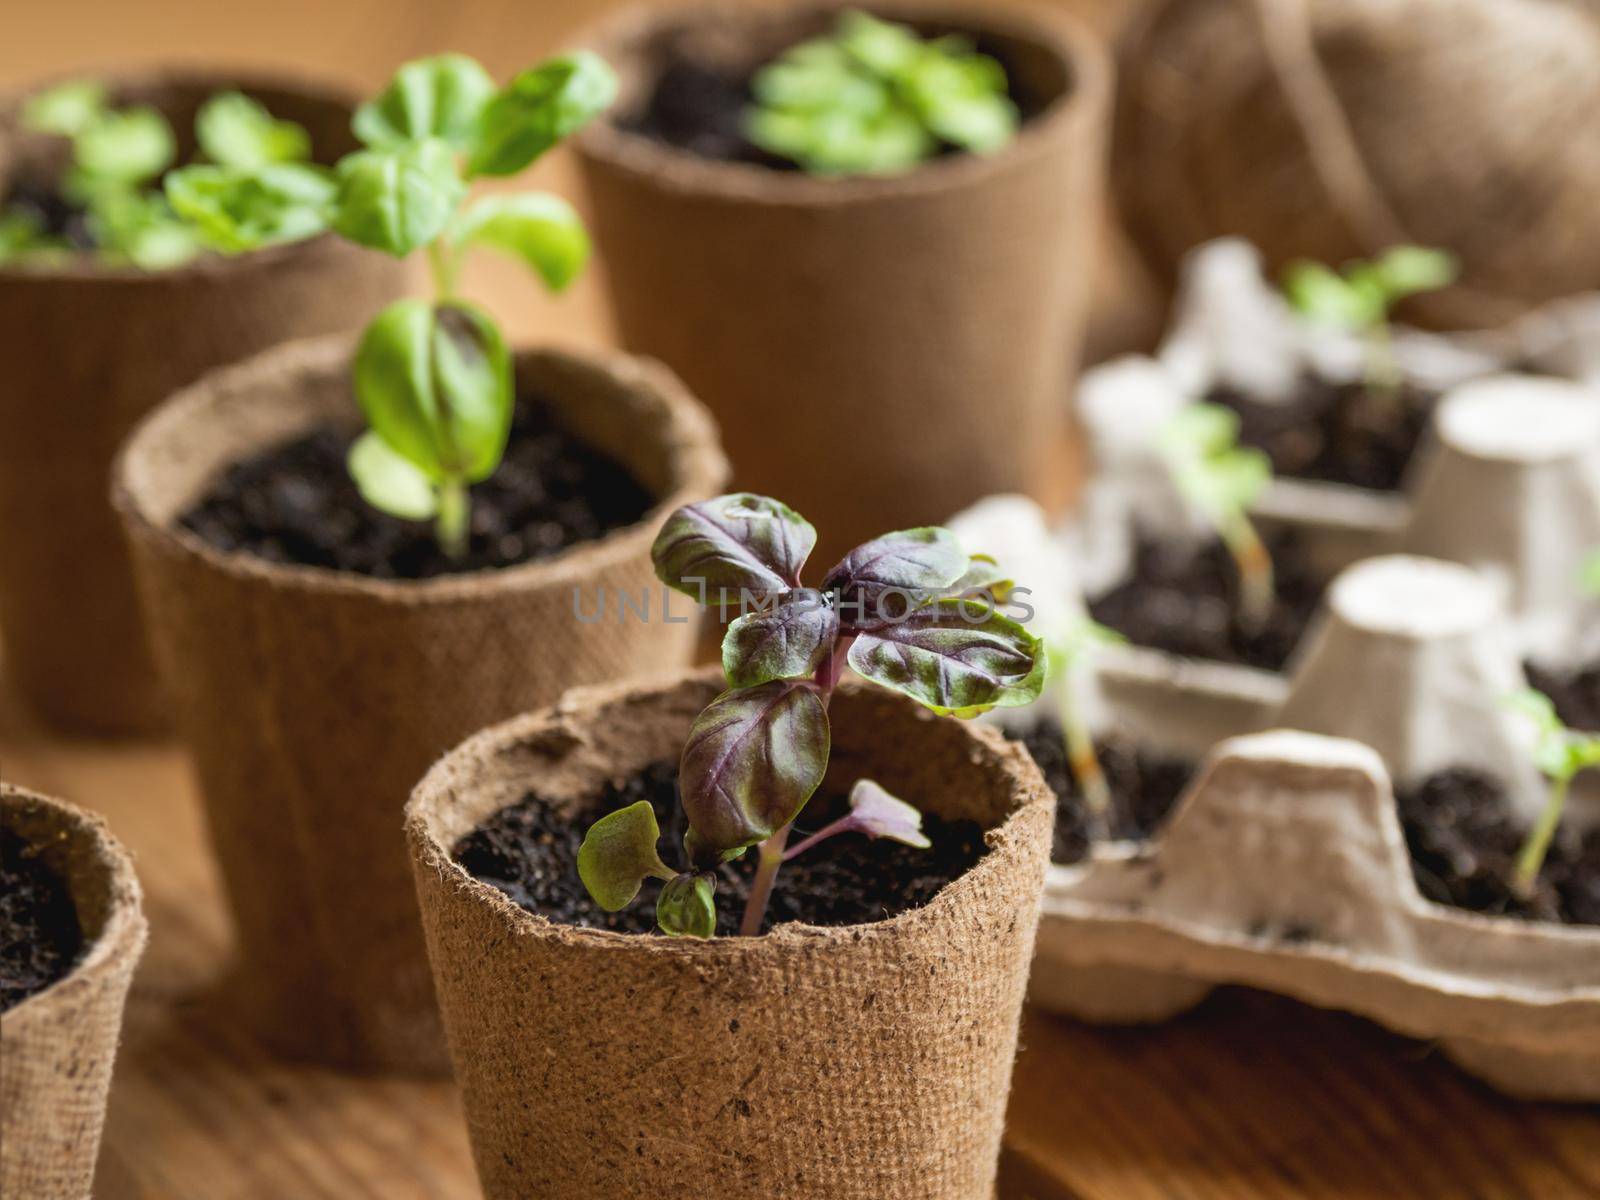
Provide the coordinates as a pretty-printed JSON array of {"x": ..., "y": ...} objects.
[
  {"x": 1359, "y": 298},
  {"x": 1221, "y": 479},
  {"x": 1071, "y": 654},
  {"x": 1560, "y": 753},
  {"x": 900, "y": 610},
  {"x": 874, "y": 98}
]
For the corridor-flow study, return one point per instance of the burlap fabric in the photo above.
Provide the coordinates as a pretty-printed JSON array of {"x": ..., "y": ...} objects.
[
  {"x": 57, "y": 1046},
  {"x": 916, "y": 335},
  {"x": 1330, "y": 129},
  {"x": 314, "y": 700},
  {"x": 90, "y": 349},
  {"x": 862, "y": 1063}
]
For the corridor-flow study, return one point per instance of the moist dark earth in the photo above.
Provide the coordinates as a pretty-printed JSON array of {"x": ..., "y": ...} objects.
[
  {"x": 1464, "y": 848},
  {"x": 1335, "y": 432},
  {"x": 529, "y": 851},
  {"x": 40, "y": 938},
  {"x": 57, "y": 216},
  {"x": 700, "y": 108},
  {"x": 1574, "y": 691},
  {"x": 1184, "y": 600},
  {"x": 296, "y": 503},
  {"x": 1144, "y": 786}
]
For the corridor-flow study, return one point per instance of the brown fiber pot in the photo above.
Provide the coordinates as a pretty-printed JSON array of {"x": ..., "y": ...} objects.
[
  {"x": 878, "y": 352},
  {"x": 869, "y": 1062},
  {"x": 87, "y": 351},
  {"x": 59, "y": 1044},
  {"x": 314, "y": 700}
]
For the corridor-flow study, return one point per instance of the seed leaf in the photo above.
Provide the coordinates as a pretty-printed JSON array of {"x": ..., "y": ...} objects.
[
  {"x": 619, "y": 853},
  {"x": 686, "y": 908},
  {"x": 390, "y": 483},
  {"x": 876, "y": 813}
]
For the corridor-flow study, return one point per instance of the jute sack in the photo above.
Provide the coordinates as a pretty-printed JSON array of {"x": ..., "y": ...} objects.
[
  {"x": 88, "y": 350},
  {"x": 314, "y": 700},
  {"x": 869, "y": 1062},
  {"x": 59, "y": 1044},
  {"x": 1330, "y": 129},
  {"x": 914, "y": 336}
]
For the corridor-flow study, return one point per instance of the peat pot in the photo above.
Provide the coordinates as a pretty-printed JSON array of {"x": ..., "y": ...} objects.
[
  {"x": 861, "y": 1062},
  {"x": 88, "y": 350},
  {"x": 314, "y": 699}
]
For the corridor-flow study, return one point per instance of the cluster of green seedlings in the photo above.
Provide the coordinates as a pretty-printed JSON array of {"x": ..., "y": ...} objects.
[
  {"x": 1560, "y": 754},
  {"x": 1360, "y": 297},
  {"x": 875, "y": 98},
  {"x": 911, "y": 611},
  {"x": 433, "y": 377}
]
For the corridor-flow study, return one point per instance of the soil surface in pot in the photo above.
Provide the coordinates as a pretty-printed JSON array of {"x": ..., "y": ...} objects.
[
  {"x": 56, "y": 216},
  {"x": 698, "y": 107},
  {"x": 1335, "y": 432},
  {"x": 1184, "y": 600},
  {"x": 1464, "y": 847},
  {"x": 1144, "y": 786},
  {"x": 1575, "y": 693},
  {"x": 529, "y": 851},
  {"x": 40, "y": 938},
  {"x": 296, "y": 503}
]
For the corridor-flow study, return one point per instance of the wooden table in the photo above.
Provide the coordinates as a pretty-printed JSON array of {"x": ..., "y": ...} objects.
[{"x": 1249, "y": 1096}]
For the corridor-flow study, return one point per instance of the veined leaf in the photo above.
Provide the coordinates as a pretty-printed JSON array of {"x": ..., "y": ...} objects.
[
  {"x": 619, "y": 853},
  {"x": 540, "y": 230},
  {"x": 788, "y": 640},
  {"x": 537, "y": 109},
  {"x": 942, "y": 657},
  {"x": 399, "y": 199},
  {"x": 734, "y": 542},
  {"x": 441, "y": 97}
]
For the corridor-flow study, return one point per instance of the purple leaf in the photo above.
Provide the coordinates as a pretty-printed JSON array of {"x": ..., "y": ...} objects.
[
  {"x": 789, "y": 640},
  {"x": 874, "y": 812},
  {"x": 921, "y": 562},
  {"x": 734, "y": 542}
]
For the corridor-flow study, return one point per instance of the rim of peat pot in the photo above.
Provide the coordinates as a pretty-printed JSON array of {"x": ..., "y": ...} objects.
[
  {"x": 933, "y": 993},
  {"x": 629, "y": 39},
  {"x": 286, "y": 93},
  {"x": 171, "y": 457},
  {"x": 60, "y": 1043}
]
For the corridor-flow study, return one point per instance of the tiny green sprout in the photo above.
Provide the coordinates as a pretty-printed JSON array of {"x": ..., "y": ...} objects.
[
  {"x": 900, "y": 610},
  {"x": 1589, "y": 574},
  {"x": 1359, "y": 298},
  {"x": 1559, "y": 753},
  {"x": 1070, "y": 655},
  {"x": 874, "y": 98},
  {"x": 1221, "y": 479}
]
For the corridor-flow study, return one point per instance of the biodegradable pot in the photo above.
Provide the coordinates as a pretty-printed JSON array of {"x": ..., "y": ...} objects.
[
  {"x": 313, "y": 700},
  {"x": 869, "y": 1062},
  {"x": 913, "y": 335},
  {"x": 60, "y": 1043},
  {"x": 89, "y": 349}
]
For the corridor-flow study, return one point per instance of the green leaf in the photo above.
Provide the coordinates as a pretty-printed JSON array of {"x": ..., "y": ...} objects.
[
  {"x": 1589, "y": 575},
  {"x": 752, "y": 760},
  {"x": 959, "y": 658},
  {"x": 390, "y": 483},
  {"x": 1322, "y": 295},
  {"x": 537, "y": 109},
  {"x": 235, "y": 131},
  {"x": 238, "y": 209},
  {"x": 1559, "y": 752},
  {"x": 67, "y": 108},
  {"x": 685, "y": 907},
  {"x": 435, "y": 384},
  {"x": 1081, "y": 641},
  {"x": 140, "y": 228},
  {"x": 983, "y": 574},
  {"x": 129, "y": 147},
  {"x": 738, "y": 541},
  {"x": 23, "y": 239},
  {"x": 541, "y": 230},
  {"x": 788, "y": 640},
  {"x": 1216, "y": 475},
  {"x": 398, "y": 199},
  {"x": 619, "y": 853},
  {"x": 441, "y": 97},
  {"x": 1407, "y": 270}
]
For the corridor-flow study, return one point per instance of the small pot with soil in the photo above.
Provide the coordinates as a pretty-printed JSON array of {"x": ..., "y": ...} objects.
[
  {"x": 878, "y": 1011},
  {"x": 71, "y": 933},
  {"x": 91, "y": 345},
  {"x": 321, "y": 653},
  {"x": 947, "y": 298}
]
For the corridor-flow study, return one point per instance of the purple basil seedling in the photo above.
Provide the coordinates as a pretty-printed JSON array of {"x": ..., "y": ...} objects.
[{"x": 905, "y": 610}]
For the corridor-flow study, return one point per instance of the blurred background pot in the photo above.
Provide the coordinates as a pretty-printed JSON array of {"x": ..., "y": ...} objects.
[
  {"x": 89, "y": 349},
  {"x": 60, "y": 1043},
  {"x": 878, "y": 351},
  {"x": 313, "y": 699}
]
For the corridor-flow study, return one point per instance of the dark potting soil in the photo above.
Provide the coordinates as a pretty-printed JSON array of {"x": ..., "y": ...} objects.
[
  {"x": 700, "y": 108},
  {"x": 1464, "y": 848},
  {"x": 1144, "y": 786},
  {"x": 40, "y": 938},
  {"x": 1185, "y": 601},
  {"x": 57, "y": 216},
  {"x": 1335, "y": 432},
  {"x": 1575, "y": 692},
  {"x": 296, "y": 503},
  {"x": 530, "y": 852}
]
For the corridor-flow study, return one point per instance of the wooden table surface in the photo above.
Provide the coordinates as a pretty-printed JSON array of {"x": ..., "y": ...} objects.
[{"x": 1249, "y": 1096}]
